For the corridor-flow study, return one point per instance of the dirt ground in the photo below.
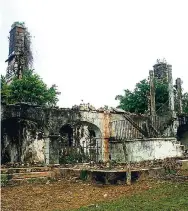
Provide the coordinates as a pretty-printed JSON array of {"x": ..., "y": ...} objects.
[{"x": 63, "y": 195}]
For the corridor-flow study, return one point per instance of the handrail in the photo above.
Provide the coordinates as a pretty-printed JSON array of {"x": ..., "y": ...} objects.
[{"x": 145, "y": 133}]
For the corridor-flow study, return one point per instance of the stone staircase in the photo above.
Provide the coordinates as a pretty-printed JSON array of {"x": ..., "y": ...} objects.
[
  {"x": 155, "y": 125},
  {"x": 129, "y": 119},
  {"x": 13, "y": 176}
]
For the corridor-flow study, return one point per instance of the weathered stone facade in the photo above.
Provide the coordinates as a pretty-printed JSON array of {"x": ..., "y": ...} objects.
[
  {"x": 146, "y": 149},
  {"x": 46, "y": 135}
]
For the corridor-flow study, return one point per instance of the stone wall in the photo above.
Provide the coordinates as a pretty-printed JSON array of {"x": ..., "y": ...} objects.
[
  {"x": 21, "y": 142},
  {"x": 39, "y": 137},
  {"x": 146, "y": 149}
]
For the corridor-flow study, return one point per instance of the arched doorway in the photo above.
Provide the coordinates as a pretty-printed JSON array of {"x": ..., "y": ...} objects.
[
  {"x": 66, "y": 133},
  {"x": 78, "y": 142},
  {"x": 88, "y": 137}
]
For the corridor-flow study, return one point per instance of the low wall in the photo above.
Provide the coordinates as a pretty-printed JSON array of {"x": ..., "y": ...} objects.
[{"x": 146, "y": 149}]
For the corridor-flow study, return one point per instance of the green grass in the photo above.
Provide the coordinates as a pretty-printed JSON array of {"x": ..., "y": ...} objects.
[
  {"x": 166, "y": 196},
  {"x": 4, "y": 179}
]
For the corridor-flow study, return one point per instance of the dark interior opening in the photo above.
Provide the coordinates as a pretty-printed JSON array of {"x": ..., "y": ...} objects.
[
  {"x": 92, "y": 133},
  {"x": 181, "y": 130},
  {"x": 116, "y": 178},
  {"x": 67, "y": 133},
  {"x": 5, "y": 157},
  {"x": 9, "y": 129},
  {"x": 135, "y": 176},
  {"x": 92, "y": 136},
  {"x": 99, "y": 177}
]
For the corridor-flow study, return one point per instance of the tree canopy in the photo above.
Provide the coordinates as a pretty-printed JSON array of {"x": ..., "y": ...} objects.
[
  {"x": 136, "y": 101},
  {"x": 30, "y": 88}
]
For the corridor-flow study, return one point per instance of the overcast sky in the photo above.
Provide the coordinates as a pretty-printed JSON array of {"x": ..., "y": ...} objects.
[{"x": 93, "y": 50}]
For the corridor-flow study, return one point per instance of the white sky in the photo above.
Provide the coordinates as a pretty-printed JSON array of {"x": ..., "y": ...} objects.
[{"x": 94, "y": 49}]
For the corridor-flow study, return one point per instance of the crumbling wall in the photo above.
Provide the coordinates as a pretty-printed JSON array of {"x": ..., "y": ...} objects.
[
  {"x": 33, "y": 149},
  {"x": 146, "y": 149},
  {"x": 28, "y": 143},
  {"x": 21, "y": 142}
]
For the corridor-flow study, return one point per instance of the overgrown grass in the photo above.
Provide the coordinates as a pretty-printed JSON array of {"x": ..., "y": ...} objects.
[
  {"x": 167, "y": 196},
  {"x": 4, "y": 179}
]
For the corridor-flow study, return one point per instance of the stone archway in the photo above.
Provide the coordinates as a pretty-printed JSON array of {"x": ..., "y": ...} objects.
[
  {"x": 89, "y": 137},
  {"x": 77, "y": 142}
]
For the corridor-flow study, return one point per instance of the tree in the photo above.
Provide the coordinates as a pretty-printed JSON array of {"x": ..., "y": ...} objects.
[
  {"x": 136, "y": 101},
  {"x": 30, "y": 88},
  {"x": 5, "y": 91}
]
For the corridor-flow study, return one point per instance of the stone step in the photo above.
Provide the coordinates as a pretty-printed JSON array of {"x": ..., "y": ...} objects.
[
  {"x": 30, "y": 175},
  {"x": 24, "y": 170},
  {"x": 37, "y": 180},
  {"x": 27, "y": 175}
]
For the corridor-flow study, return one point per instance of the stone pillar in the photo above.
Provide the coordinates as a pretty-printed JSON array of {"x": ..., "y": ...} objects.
[
  {"x": 105, "y": 150},
  {"x": 128, "y": 174},
  {"x": 152, "y": 93},
  {"x": 179, "y": 94},
  {"x": 170, "y": 90},
  {"x": 106, "y": 135},
  {"x": 46, "y": 147}
]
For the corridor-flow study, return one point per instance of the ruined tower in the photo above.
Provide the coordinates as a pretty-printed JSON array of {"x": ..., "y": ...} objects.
[
  {"x": 160, "y": 69},
  {"x": 163, "y": 72},
  {"x": 20, "y": 53}
]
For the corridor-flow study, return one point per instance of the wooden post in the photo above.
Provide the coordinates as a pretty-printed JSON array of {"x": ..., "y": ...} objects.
[
  {"x": 152, "y": 93},
  {"x": 179, "y": 94}
]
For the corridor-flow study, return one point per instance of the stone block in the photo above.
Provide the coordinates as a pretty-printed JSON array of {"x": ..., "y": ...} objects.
[{"x": 184, "y": 164}]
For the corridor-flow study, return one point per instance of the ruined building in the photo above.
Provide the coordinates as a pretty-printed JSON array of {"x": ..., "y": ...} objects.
[
  {"x": 20, "y": 54},
  {"x": 82, "y": 133}
]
